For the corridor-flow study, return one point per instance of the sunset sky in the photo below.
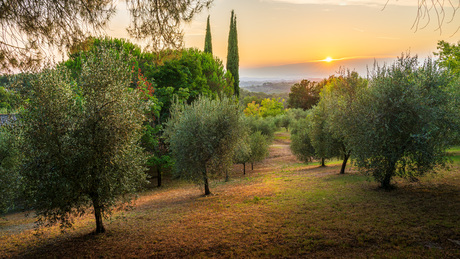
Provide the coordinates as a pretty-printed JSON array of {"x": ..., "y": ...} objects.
[{"x": 281, "y": 32}]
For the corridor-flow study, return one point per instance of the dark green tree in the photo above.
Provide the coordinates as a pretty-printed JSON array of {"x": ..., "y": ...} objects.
[
  {"x": 80, "y": 140},
  {"x": 11, "y": 185},
  {"x": 188, "y": 75},
  {"x": 304, "y": 95},
  {"x": 233, "y": 59},
  {"x": 208, "y": 39}
]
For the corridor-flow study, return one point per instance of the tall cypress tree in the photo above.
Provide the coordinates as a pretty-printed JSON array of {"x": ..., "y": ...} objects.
[
  {"x": 208, "y": 39},
  {"x": 233, "y": 59}
]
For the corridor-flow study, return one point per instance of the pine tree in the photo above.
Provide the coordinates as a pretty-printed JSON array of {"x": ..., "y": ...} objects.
[
  {"x": 208, "y": 39},
  {"x": 232, "y": 54}
]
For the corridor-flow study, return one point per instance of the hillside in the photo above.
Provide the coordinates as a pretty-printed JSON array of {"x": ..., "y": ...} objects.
[
  {"x": 268, "y": 87},
  {"x": 282, "y": 208}
]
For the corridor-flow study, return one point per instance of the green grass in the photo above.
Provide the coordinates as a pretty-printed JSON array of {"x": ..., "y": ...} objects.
[
  {"x": 454, "y": 154},
  {"x": 454, "y": 149},
  {"x": 286, "y": 210}
]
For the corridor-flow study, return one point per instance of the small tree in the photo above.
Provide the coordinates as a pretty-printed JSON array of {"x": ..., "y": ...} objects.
[
  {"x": 403, "y": 122},
  {"x": 324, "y": 143},
  {"x": 242, "y": 153},
  {"x": 301, "y": 144},
  {"x": 202, "y": 137},
  {"x": 337, "y": 98},
  {"x": 81, "y": 140},
  {"x": 258, "y": 145}
]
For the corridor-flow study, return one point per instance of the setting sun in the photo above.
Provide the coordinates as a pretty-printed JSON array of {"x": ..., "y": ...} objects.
[{"x": 328, "y": 59}]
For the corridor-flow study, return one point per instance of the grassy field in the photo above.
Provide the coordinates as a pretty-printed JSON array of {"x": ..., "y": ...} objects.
[{"x": 282, "y": 208}]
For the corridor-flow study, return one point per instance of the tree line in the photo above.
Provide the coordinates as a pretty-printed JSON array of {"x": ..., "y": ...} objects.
[{"x": 398, "y": 121}]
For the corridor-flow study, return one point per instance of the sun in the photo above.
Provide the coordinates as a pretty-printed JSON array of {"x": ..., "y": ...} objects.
[{"x": 328, "y": 59}]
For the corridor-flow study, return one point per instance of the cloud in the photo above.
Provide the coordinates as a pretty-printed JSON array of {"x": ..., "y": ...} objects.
[{"x": 378, "y": 3}]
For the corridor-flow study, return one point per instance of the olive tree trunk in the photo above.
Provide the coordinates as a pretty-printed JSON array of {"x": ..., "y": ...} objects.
[
  {"x": 98, "y": 216},
  {"x": 206, "y": 183},
  {"x": 344, "y": 163}
]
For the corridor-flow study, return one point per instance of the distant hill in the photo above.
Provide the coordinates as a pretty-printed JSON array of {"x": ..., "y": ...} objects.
[
  {"x": 268, "y": 87},
  {"x": 308, "y": 70}
]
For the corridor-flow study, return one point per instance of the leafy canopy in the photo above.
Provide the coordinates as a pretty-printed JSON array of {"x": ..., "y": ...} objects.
[
  {"x": 80, "y": 140},
  {"x": 403, "y": 122}
]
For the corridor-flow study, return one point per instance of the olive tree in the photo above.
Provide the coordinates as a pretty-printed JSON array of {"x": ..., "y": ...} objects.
[
  {"x": 202, "y": 138},
  {"x": 10, "y": 180},
  {"x": 335, "y": 110},
  {"x": 323, "y": 141},
  {"x": 258, "y": 145},
  {"x": 242, "y": 153},
  {"x": 301, "y": 144},
  {"x": 403, "y": 122},
  {"x": 80, "y": 140}
]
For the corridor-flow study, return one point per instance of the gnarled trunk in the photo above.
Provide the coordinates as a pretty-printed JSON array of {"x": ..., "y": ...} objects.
[
  {"x": 98, "y": 216},
  {"x": 159, "y": 175},
  {"x": 206, "y": 182},
  {"x": 344, "y": 163},
  {"x": 386, "y": 182}
]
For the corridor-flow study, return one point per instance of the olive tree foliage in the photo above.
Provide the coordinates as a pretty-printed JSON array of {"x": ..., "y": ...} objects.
[
  {"x": 80, "y": 140},
  {"x": 160, "y": 20},
  {"x": 258, "y": 146},
  {"x": 403, "y": 122},
  {"x": 301, "y": 144},
  {"x": 242, "y": 152},
  {"x": 252, "y": 146},
  {"x": 202, "y": 137},
  {"x": 10, "y": 179},
  {"x": 323, "y": 141},
  {"x": 335, "y": 108},
  {"x": 30, "y": 27}
]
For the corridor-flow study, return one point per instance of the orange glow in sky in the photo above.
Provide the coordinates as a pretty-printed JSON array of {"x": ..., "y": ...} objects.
[
  {"x": 282, "y": 32},
  {"x": 279, "y": 32}
]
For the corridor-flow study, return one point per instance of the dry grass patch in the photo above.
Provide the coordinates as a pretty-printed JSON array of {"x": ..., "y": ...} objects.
[{"x": 277, "y": 210}]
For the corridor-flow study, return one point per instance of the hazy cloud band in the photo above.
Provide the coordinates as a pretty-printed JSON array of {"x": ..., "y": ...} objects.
[{"x": 381, "y": 3}]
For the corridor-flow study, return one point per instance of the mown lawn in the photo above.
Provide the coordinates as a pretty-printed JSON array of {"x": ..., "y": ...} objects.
[{"x": 281, "y": 209}]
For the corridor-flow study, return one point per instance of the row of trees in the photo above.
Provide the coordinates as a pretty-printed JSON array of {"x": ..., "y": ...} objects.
[
  {"x": 398, "y": 122},
  {"x": 233, "y": 59},
  {"x": 90, "y": 125}
]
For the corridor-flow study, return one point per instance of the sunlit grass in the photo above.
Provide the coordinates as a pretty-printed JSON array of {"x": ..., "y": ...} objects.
[{"x": 288, "y": 209}]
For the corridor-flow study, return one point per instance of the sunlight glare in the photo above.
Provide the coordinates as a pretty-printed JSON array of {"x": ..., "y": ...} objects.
[{"x": 328, "y": 59}]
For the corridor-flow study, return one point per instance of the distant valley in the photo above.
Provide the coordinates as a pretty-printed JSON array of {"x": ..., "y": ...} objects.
[{"x": 309, "y": 70}]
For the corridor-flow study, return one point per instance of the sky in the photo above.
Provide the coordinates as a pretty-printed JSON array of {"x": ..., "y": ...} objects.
[{"x": 278, "y": 33}]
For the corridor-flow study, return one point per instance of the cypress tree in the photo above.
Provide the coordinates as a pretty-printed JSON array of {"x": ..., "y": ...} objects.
[
  {"x": 208, "y": 39},
  {"x": 232, "y": 54}
]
